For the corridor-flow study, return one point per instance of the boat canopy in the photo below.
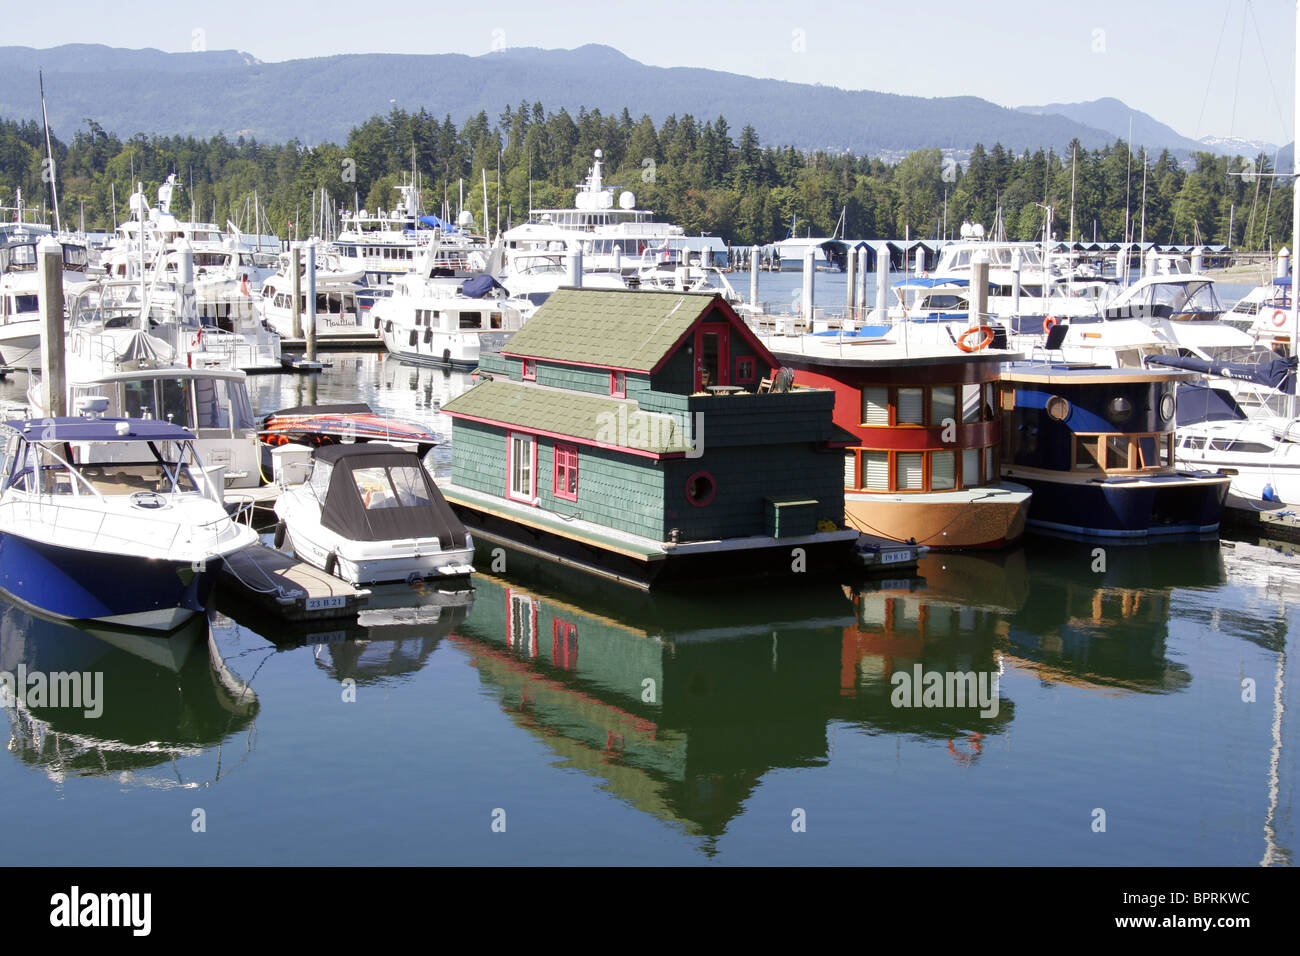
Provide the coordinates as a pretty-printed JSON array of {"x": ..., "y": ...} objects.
[
  {"x": 98, "y": 429},
  {"x": 479, "y": 286},
  {"x": 434, "y": 222},
  {"x": 1276, "y": 372},
  {"x": 378, "y": 492},
  {"x": 1200, "y": 403}
]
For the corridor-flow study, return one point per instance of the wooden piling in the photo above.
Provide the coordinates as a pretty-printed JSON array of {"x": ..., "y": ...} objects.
[{"x": 54, "y": 384}]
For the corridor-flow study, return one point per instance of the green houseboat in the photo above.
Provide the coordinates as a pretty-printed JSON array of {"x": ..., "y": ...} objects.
[{"x": 647, "y": 436}]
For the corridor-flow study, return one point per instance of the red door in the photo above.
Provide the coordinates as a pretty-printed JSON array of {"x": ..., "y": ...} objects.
[{"x": 712, "y": 355}]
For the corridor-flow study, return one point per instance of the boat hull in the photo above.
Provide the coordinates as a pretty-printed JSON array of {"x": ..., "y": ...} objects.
[
  {"x": 975, "y": 518},
  {"x": 148, "y": 593},
  {"x": 360, "y": 562},
  {"x": 1174, "y": 504}
]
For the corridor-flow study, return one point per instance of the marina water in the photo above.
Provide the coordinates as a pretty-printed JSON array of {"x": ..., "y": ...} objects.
[{"x": 1145, "y": 711}]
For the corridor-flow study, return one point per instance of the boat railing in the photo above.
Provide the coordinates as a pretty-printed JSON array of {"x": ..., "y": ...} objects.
[{"x": 63, "y": 513}]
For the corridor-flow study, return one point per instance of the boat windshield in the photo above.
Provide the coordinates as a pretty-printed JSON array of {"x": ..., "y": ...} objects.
[{"x": 102, "y": 468}]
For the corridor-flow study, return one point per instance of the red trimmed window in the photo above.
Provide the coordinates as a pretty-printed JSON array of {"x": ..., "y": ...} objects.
[
  {"x": 564, "y": 644},
  {"x": 566, "y": 472},
  {"x": 618, "y": 384},
  {"x": 745, "y": 369},
  {"x": 521, "y": 467},
  {"x": 530, "y": 370}
]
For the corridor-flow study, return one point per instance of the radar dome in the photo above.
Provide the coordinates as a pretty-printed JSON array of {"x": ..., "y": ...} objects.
[
  {"x": 626, "y": 200},
  {"x": 599, "y": 154},
  {"x": 466, "y": 218}
]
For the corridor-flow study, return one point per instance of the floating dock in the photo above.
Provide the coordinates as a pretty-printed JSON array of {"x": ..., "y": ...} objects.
[
  {"x": 292, "y": 589},
  {"x": 1283, "y": 524},
  {"x": 336, "y": 343}
]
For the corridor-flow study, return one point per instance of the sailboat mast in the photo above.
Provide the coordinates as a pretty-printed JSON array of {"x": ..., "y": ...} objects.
[
  {"x": 1295, "y": 218},
  {"x": 49, "y": 153}
]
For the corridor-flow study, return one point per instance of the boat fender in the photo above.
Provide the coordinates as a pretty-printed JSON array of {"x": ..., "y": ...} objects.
[
  {"x": 1050, "y": 323},
  {"x": 332, "y": 563},
  {"x": 280, "y": 529},
  {"x": 986, "y": 338},
  {"x": 446, "y": 356},
  {"x": 1279, "y": 318},
  {"x": 1269, "y": 494}
]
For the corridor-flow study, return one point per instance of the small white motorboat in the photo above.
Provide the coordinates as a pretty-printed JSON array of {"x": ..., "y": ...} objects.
[{"x": 370, "y": 513}]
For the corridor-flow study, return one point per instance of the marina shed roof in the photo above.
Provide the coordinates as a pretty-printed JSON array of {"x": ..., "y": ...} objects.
[
  {"x": 632, "y": 331},
  {"x": 585, "y": 418}
]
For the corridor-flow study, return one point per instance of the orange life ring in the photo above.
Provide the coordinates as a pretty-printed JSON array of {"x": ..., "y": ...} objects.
[
  {"x": 985, "y": 330},
  {"x": 1279, "y": 318},
  {"x": 1050, "y": 323}
]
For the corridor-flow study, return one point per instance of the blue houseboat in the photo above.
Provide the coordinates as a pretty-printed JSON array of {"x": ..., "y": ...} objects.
[
  {"x": 647, "y": 435},
  {"x": 1096, "y": 446}
]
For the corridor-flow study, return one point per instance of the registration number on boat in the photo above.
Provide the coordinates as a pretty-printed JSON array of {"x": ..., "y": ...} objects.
[
  {"x": 321, "y": 603},
  {"x": 894, "y": 557}
]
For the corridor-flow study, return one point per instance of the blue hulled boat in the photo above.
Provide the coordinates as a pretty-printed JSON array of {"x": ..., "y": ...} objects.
[
  {"x": 111, "y": 520},
  {"x": 1096, "y": 445}
]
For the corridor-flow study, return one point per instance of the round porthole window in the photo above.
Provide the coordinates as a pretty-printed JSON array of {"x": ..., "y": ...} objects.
[
  {"x": 700, "y": 489},
  {"x": 1167, "y": 406},
  {"x": 1058, "y": 408},
  {"x": 1119, "y": 409}
]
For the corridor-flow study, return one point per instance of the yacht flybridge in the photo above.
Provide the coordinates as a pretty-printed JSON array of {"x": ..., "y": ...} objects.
[{"x": 610, "y": 231}]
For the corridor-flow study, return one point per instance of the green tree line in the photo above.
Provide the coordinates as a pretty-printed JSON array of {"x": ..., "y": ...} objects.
[{"x": 696, "y": 173}]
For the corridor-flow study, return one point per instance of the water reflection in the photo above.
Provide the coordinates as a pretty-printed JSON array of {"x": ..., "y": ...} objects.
[
  {"x": 1099, "y": 617},
  {"x": 163, "y": 699},
  {"x": 681, "y": 705},
  {"x": 393, "y": 636}
]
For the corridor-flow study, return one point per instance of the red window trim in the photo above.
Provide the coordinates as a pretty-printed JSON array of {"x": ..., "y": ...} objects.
[
  {"x": 705, "y": 502},
  {"x": 741, "y": 377},
  {"x": 565, "y": 460},
  {"x": 564, "y": 644},
  {"x": 614, "y": 390},
  {"x": 510, "y": 469},
  {"x": 530, "y": 370}
]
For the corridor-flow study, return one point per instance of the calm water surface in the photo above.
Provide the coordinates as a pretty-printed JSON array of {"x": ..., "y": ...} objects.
[{"x": 602, "y": 726}]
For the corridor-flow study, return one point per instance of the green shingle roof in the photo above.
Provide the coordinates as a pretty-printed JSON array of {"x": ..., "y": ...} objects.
[
  {"x": 584, "y": 417},
  {"x": 630, "y": 330}
]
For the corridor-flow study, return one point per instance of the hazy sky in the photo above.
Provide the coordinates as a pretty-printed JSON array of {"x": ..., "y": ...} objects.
[{"x": 1205, "y": 67}]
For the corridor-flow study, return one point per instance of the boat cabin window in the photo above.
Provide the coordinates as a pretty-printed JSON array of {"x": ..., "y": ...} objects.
[
  {"x": 471, "y": 320},
  {"x": 395, "y": 487},
  {"x": 222, "y": 403},
  {"x": 24, "y": 303},
  {"x": 1123, "y": 453},
  {"x": 944, "y": 301},
  {"x": 166, "y": 399},
  {"x": 1249, "y": 447}
]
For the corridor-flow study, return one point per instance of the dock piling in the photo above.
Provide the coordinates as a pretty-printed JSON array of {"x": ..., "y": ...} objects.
[
  {"x": 851, "y": 287},
  {"x": 882, "y": 285},
  {"x": 53, "y": 368},
  {"x": 311, "y": 302},
  {"x": 295, "y": 264},
  {"x": 809, "y": 272},
  {"x": 754, "y": 265}
]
